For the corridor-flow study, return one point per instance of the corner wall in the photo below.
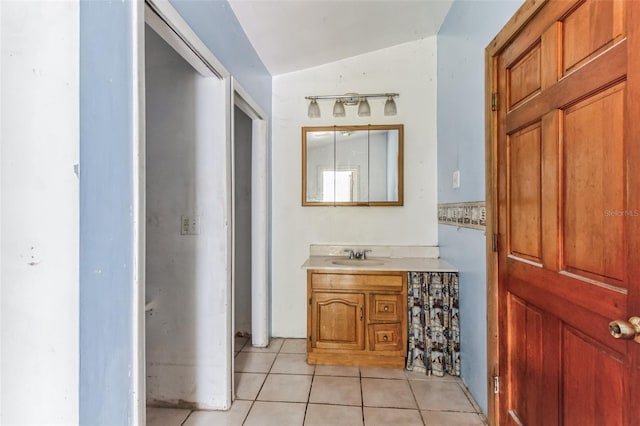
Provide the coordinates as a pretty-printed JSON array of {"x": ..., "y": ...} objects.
[
  {"x": 466, "y": 31},
  {"x": 409, "y": 69}
]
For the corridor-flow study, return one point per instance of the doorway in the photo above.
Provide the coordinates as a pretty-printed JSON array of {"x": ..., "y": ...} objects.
[
  {"x": 186, "y": 235},
  {"x": 186, "y": 322},
  {"x": 250, "y": 186},
  {"x": 242, "y": 222}
]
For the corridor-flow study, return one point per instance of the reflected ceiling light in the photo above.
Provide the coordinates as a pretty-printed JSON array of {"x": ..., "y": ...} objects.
[
  {"x": 390, "y": 106},
  {"x": 364, "y": 110},
  {"x": 314, "y": 109}
]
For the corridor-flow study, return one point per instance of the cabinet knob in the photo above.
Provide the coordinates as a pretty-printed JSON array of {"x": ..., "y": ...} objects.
[
  {"x": 386, "y": 308},
  {"x": 385, "y": 338}
]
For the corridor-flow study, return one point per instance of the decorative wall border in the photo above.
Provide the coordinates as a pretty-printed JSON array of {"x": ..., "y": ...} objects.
[{"x": 466, "y": 215}]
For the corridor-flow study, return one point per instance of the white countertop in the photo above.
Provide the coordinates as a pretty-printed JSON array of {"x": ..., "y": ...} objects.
[{"x": 408, "y": 264}]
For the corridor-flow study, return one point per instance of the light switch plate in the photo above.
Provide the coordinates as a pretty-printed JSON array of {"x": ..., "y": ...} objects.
[
  {"x": 456, "y": 179},
  {"x": 189, "y": 225}
]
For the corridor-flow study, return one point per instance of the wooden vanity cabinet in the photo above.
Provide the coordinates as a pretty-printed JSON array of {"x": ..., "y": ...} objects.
[{"x": 357, "y": 318}]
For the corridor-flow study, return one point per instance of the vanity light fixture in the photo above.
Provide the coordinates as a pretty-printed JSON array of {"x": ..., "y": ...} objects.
[
  {"x": 389, "y": 107},
  {"x": 314, "y": 109},
  {"x": 364, "y": 110},
  {"x": 338, "y": 109}
]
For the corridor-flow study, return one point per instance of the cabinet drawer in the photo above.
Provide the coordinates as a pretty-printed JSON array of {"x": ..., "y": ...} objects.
[
  {"x": 386, "y": 307},
  {"x": 385, "y": 337},
  {"x": 357, "y": 281}
]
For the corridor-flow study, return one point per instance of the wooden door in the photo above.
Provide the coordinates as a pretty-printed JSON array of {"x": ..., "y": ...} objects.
[
  {"x": 337, "y": 320},
  {"x": 567, "y": 145}
]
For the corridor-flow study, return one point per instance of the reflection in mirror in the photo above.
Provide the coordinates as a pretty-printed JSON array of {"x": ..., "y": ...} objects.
[{"x": 352, "y": 165}]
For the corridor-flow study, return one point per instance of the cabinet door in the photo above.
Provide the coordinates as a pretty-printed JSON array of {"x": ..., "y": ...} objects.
[{"x": 337, "y": 320}]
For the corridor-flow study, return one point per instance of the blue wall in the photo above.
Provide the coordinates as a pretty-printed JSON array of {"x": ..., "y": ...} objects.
[
  {"x": 216, "y": 24},
  {"x": 466, "y": 31},
  {"x": 106, "y": 186},
  {"x": 106, "y": 223}
]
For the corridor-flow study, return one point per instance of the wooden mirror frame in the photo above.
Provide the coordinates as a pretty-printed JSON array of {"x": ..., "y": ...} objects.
[{"x": 398, "y": 202}]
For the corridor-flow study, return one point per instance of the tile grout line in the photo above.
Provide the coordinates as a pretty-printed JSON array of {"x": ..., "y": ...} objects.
[
  {"x": 360, "y": 376},
  {"x": 467, "y": 393},
  {"x": 361, "y": 395},
  {"x": 269, "y": 373},
  {"x": 246, "y": 416},
  {"x": 415, "y": 399},
  {"x": 473, "y": 402},
  {"x": 187, "y": 418},
  {"x": 253, "y": 403},
  {"x": 306, "y": 407}
]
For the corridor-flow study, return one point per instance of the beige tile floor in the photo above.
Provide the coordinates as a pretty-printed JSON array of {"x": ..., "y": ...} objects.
[{"x": 276, "y": 387}]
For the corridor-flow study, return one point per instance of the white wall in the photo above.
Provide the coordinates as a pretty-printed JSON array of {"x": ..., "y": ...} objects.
[
  {"x": 39, "y": 241},
  {"x": 188, "y": 340},
  {"x": 409, "y": 69}
]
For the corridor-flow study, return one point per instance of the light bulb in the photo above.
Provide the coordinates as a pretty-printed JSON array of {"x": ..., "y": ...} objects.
[
  {"x": 314, "y": 109},
  {"x": 390, "y": 106},
  {"x": 338, "y": 108},
  {"x": 363, "y": 108}
]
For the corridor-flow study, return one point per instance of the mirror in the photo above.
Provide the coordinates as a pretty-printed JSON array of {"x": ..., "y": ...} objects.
[{"x": 352, "y": 165}]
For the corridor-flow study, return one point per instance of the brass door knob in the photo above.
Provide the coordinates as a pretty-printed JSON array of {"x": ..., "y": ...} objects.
[{"x": 626, "y": 330}]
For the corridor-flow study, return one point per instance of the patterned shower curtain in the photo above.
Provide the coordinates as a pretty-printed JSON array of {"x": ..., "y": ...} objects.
[{"x": 434, "y": 328}]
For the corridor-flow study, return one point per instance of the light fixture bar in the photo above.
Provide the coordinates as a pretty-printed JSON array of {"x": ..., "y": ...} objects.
[
  {"x": 364, "y": 110},
  {"x": 354, "y": 96}
]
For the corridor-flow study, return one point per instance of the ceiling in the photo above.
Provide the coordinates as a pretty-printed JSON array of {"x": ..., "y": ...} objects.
[{"x": 291, "y": 35}]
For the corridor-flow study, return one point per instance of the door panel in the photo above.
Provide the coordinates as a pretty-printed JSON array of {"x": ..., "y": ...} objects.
[
  {"x": 593, "y": 159},
  {"x": 524, "y": 171},
  {"x": 525, "y": 359},
  {"x": 567, "y": 175},
  {"x": 590, "y": 28},
  {"x": 600, "y": 72},
  {"x": 591, "y": 380},
  {"x": 524, "y": 76}
]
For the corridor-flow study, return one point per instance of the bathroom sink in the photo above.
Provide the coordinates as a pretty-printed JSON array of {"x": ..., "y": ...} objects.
[{"x": 358, "y": 262}]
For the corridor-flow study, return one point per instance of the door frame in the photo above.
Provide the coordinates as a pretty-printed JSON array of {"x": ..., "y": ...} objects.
[
  {"x": 260, "y": 174},
  {"x": 495, "y": 290},
  {"x": 167, "y": 22},
  {"x": 179, "y": 35}
]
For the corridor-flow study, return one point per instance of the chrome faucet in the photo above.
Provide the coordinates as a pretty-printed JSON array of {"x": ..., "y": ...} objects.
[
  {"x": 359, "y": 254},
  {"x": 352, "y": 254}
]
